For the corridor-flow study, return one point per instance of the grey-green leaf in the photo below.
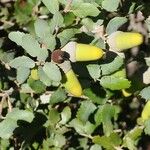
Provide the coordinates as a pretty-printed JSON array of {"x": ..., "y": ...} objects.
[
  {"x": 52, "y": 6},
  {"x": 110, "y": 5},
  {"x": 18, "y": 114},
  {"x": 22, "y": 74},
  {"x": 66, "y": 35},
  {"x": 86, "y": 9},
  {"x": 145, "y": 93},
  {"x": 111, "y": 67},
  {"x": 33, "y": 48},
  {"x": 58, "y": 96},
  {"x": 52, "y": 71},
  {"x": 7, "y": 127},
  {"x": 42, "y": 28},
  {"x": 65, "y": 115},
  {"x": 94, "y": 71},
  {"x": 85, "y": 110},
  {"x": 115, "y": 23},
  {"x": 22, "y": 61},
  {"x": 16, "y": 37},
  {"x": 43, "y": 77}
]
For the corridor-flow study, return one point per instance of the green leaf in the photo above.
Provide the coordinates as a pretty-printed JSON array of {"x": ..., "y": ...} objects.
[
  {"x": 85, "y": 110},
  {"x": 58, "y": 96},
  {"x": 54, "y": 116},
  {"x": 147, "y": 127},
  {"x": 111, "y": 67},
  {"x": 86, "y": 9},
  {"x": 93, "y": 97},
  {"x": 145, "y": 93},
  {"x": 59, "y": 140},
  {"x": 52, "y": 6},
  {"x": 115, "y": 23},
  {"x": 104, "y": 115},
  {"x": 94, "y": 71},
  {"x": 32, "y": 47},
  {"x": 36, "y": 85},
  {"x": 110, "y": 5},
  {"x": 43, "y": 77},
  {"x": 109, "y": 142},
  {"x": 65, "y": 115},
  {"x": 22, "y": 74},
  {"x": 66, "y": 35},
  {"x": 130, "y": 140},
  {"x": 16, "y": 37},
  {"x": 52, "y": 71},
  {"x": 22, "y": 61},
  {"x": 82, "y": 128},
  {"x": 114, "y": 83},
  {"x": 69, "y": 18}
]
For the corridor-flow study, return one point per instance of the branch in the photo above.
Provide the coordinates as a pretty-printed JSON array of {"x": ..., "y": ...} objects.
[{"x": 68, "y": 6}]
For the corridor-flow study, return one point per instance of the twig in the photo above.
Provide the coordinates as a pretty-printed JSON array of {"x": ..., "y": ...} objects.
[
  {"x": 5, "y": 96},
  {"x": 68, "y": 6}
]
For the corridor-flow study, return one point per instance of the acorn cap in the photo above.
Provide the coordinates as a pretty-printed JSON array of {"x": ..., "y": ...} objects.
[
  {"x": 70, "y": 48},
  {"x": 65, "y": 66},
  {"x": 119, "y": 41}
]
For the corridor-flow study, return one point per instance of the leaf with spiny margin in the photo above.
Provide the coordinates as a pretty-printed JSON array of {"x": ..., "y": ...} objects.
[
  {"x": 22, "y": 74},
  {"x": 82, "y": 128},
  {"x": 131, "y": 138},
  {"x": 104, "y": 115},
  {"x": 95, "y": 98},
  {"x": 16, "y": 37},
  {"x": 52, "y": 71},
  {"x": 108, "y": 142},
  {"x": 33, "y": 48},
  {"x": 86, "y": 108},
  {"x": 114, "y": 24},
  {"x": 22, "y": 61},
  {"x": 109, "y": 68}
]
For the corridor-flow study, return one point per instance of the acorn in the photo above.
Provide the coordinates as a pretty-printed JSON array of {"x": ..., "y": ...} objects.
[
  {"x": 119, "y": 41},
  {"x": 82, "y": 52},
  {"x": 70, "y": 81}
]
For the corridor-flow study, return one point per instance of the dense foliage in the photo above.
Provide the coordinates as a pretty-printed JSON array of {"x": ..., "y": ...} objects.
[{"x": 36, "y": 110}]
